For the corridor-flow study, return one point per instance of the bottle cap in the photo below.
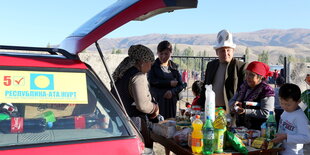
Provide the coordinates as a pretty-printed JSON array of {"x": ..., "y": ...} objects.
[
  {"x": 50, "y": 124},
  {"x": 197, "y": 116}
]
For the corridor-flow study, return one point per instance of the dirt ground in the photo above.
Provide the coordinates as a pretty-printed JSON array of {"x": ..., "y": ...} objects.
[{"x": 160, "y": 150}]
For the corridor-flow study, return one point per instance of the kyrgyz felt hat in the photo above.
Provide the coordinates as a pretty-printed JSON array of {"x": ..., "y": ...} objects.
[{"x": 224, "y": 39}]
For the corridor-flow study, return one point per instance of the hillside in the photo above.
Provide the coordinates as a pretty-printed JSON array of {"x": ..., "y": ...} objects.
[{"x": 295, "y": 42}]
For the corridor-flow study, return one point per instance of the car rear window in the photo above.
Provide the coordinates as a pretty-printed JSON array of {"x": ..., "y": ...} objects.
[{"x": 56, "y": 105}]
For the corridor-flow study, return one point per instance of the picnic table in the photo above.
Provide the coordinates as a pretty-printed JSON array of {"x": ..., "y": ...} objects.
[{"x": 170, "y": 144}]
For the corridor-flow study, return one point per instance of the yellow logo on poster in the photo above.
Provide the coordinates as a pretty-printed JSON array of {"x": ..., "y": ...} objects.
[
  {"x": 42, "y": 81},
  {"x": 43, "y": 87}
]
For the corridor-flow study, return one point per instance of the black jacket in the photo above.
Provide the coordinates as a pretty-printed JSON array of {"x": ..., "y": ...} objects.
[
  {"x": 156, "y": 77},
  {"x": 122, "y": 87},
  {"x": 234, "y": 78}
]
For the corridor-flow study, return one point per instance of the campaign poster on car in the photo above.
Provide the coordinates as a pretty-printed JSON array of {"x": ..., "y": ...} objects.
[{"x": 43, "y": 87}]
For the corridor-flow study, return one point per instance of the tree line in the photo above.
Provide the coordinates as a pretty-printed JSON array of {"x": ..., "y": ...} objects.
[{"x": 194, "y": 64}]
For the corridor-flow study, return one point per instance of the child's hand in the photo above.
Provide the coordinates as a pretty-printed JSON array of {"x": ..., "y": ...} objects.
[{"x": 279, "y": 137}]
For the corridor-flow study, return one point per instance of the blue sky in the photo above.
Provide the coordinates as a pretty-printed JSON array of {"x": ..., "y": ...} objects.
[{"x": 37, "y": 22}]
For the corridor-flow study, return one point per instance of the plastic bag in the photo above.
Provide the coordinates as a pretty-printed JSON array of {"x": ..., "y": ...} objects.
[
  {"x": 236, "y": 143},
  {"x": 181, "y": 137},
  {"x": 210, "y": 103}
]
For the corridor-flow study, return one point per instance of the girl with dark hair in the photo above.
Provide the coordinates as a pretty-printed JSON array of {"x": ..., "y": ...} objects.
[{"x": 196, "y": 89}]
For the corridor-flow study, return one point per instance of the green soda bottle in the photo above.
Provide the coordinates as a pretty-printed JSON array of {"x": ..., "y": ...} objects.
[
  {"x": 208, "y": 137},
  {"x": 49, "y": 117},
  {"x": 271, "y": 126},
  {"x": 4, "y": 117}
]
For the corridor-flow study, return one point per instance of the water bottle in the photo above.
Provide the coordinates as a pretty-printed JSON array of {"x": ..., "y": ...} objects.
[
  {"x": 197, "y": 135},
  {"x": 271, "y": 126},
  {"x": 208, "y": 137},
  {"x": 78, "y": 122},
  {"x": 21, "y": 125}
]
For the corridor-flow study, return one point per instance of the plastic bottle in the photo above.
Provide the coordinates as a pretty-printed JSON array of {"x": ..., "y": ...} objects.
[
  {"x": 208, "y": 137},
  {"x": 77, "y": 122},
  {"x": 187, "y": 112},
  {"x": 229, "y": 121},
  {"x": 4, "y": 116},
  {"x": 220, "y": 121},
  {"x": 220, "y": 127},
  {"x": 21, "y": 125},
  {"x": 197, "y": 135},
  {"x": 49, "y": 117},
  {"x": 195, "y": 110},
  {"x": 210, "y": 102},
  {"x": 263, "y": 130},
  {"x": 271, "y": 126}
]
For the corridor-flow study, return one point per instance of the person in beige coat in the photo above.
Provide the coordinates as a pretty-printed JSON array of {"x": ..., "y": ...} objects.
[{"x": 131, "y": 82}]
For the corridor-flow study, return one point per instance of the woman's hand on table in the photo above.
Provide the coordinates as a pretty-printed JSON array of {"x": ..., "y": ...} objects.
[
  {"x": 155, "y": 112},
  {"x": 279, "y": 137},
  {"x": 237, "y": 108},
  {"x": 168, "y": 95}
]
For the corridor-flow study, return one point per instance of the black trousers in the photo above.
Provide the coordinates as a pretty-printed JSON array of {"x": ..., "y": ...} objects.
[{"x": 145, "y": 131}]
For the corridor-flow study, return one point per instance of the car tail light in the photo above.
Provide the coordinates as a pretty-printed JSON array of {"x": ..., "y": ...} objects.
[
  {"x": 140, "y": 145},
  {"x": 140, "y": 141}
]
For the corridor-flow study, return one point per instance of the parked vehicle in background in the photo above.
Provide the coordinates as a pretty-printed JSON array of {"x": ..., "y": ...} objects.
[{"x": 52, "y": 102}]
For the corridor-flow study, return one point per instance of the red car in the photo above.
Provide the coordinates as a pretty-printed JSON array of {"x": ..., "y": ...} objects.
[{"x": 53, "y": 103}]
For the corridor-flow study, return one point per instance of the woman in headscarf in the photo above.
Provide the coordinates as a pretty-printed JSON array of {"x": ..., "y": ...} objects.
[
  {"x": 255, "y": 98},
  {"x": 165, "y": 80},
  {"x": 131, "y": 82}
]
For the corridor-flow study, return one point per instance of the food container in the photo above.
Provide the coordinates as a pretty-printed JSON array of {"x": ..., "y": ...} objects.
[{"x": 165, "y": 128}]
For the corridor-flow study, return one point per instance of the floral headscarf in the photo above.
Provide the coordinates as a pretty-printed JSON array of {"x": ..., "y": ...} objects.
[{"x": 135, "y": 53}]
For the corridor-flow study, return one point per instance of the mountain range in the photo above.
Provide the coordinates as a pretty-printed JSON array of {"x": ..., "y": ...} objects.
[{"x": 288, "y": 42}]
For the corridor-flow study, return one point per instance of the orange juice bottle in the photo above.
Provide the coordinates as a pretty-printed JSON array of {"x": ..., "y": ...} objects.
[{"x": 197, "y": 135}]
